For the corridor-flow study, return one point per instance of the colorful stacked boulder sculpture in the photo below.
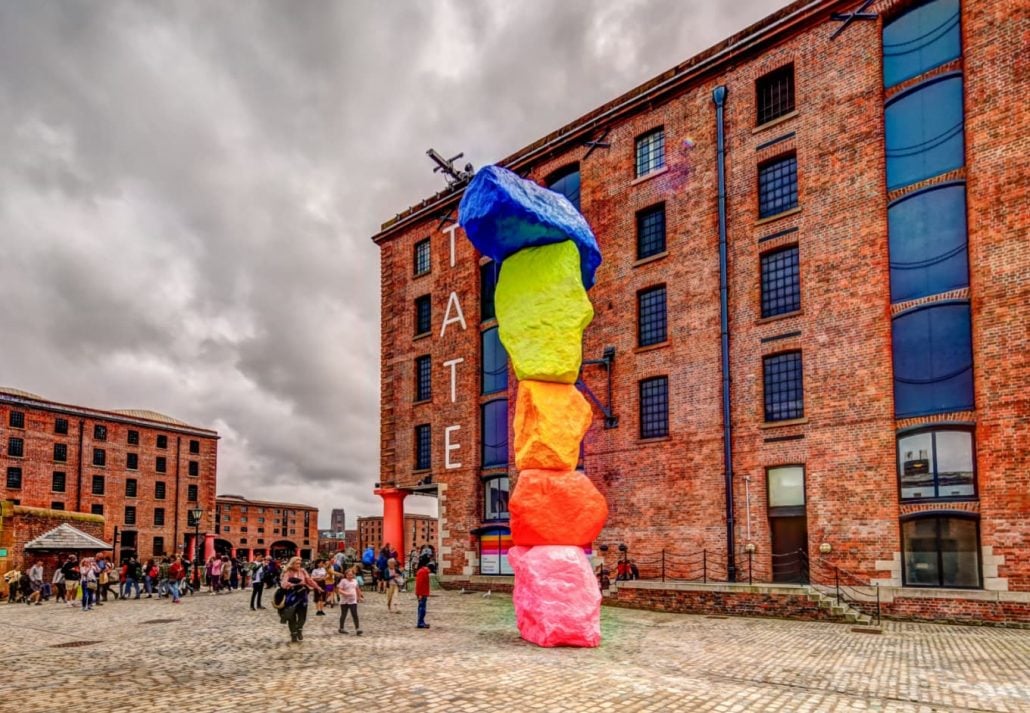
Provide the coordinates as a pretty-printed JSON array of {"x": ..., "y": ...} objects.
[{"x": 548, "y": 256}]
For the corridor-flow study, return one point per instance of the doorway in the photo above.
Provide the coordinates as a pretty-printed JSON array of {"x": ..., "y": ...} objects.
[{"x": 789, "y": 549}]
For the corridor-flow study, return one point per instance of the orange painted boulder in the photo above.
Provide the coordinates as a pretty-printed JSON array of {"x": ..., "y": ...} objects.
[
  {"x": 551, "y": 507},
  {"x": 550, "y": 422}
]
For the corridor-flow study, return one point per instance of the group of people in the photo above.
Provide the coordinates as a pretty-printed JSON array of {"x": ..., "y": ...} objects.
[{"x": 335, "y": 581}]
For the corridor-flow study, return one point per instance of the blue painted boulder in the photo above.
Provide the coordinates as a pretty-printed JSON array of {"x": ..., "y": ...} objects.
[{"x": 502, "y": 213}]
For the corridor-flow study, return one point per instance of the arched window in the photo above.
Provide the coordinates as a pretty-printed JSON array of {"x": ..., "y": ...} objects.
[
  {"x": 566, "y": 181},
  {"x": 941, "y": 551},
  {"x": 923, "y": 131},
  {"x": 925, "y": 37},
  {"x": 933, "y": 360},
  {"x": 494, "y": 433},
  {"x": 928, "y": 242}
]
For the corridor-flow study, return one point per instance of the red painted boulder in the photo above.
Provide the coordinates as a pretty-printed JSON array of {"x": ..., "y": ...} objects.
[
  {"x": 555, "y": 507},
  {"x": 556, "y": 597}
]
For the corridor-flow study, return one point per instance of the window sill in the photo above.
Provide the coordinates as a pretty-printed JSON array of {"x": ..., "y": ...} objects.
[
  {"x": 420, "y": 471},
  {"x": 421, "y": 274},
  {"x": 419, "y": 337},
  {"x": 648, "y": 176},
  {"x": 651, "y": 258},
  {"x": 778, "y": 317},
  {"x": 488, "y": 323},
  {"x": 423, "y": 401},
  {"x": 778, "y": 216},
  {"x": 775, "y": 122},
  {"x": 656, "y": 439},
  {"x": 15, "y": 457},
  {"x": 789, "y": 422},
  {"x": 651, "y": 347}
]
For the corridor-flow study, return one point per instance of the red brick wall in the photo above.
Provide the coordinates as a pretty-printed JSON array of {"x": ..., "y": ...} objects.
[
  {"x": 669, "y": 492},
  {"x": 19, "y": 525},
  {"x": 235, "y": 515},
  {"x": 425, "y": 529},
  {"x": 38, "y": 466}
]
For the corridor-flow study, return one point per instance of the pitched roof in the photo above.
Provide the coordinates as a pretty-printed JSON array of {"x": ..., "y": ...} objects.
[
  {"x": 66, "y": 537},
  {"x": 150, "y": 416}
]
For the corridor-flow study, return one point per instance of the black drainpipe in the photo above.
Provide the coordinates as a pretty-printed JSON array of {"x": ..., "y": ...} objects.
[{"x": 719, "y": 97}]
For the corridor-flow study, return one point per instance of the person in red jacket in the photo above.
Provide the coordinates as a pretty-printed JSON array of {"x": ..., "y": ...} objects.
[{"x": 425, "y": 567}]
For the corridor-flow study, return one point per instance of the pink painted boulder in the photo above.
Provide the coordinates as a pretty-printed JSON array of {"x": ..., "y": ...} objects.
[{"x": 556, "y": 597}]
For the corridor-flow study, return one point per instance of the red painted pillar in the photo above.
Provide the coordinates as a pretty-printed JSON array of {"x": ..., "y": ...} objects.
[
  {"x": 393, "y": 518},
  {"x": 209, "y": 547},
  {"x": 191, "y": 547}
]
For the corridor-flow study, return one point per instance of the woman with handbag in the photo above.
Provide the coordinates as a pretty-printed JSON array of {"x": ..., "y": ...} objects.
[
  {"x": 394, "y": 581},
  {"x": 88, "y": 579},
  {"x": 296, "y": 582}
]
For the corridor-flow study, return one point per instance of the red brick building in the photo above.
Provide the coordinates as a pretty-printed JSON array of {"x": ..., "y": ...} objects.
[
  {"x": 248, "y": 528},
  {"x": 144, "y": 472},
  {"x": 811, "y": 319},
  {"x": 419, "y": 530}
]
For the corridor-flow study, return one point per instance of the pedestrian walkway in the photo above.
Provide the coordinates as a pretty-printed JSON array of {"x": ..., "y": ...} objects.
[{"x": 214, "y": 654}]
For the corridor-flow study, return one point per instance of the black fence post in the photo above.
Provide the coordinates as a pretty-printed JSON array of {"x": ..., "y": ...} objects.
[
  {"x": 836, "y": 582},
  {"x": 704, "y": 566},
  {"x": 878, "y": 604},
  {"x": 663, "y": 565}
]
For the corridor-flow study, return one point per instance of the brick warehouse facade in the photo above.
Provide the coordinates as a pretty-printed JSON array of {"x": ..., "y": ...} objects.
[
  {"x": 877, "y": 288},
  {"x": 142, "y": 471},
  {"x": 254, "y": 528},
  {"x": 419, "y": 530}
]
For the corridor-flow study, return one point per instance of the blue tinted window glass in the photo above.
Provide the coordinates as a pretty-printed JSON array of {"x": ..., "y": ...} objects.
[
  {"x": 924, "y": 132},
  {"x": 650, "y": 152},
  {"x": 423, "y": 315},
  {"x": 928, "y": 242},
  {"x": 651, "y": 231},
  {"x": 651, "y": 319},
  {"x": 495, "y": 362},
  {"x": 933, "y": 360},
  {"x": 781, "y": 288},
  {"x": 921, "y": 39},
  {"x": 566, "y": 182},
  {"x": 783, "y": 385},
  {"x": 487, "y": 287},
  {"x": 777, "y": 186},
  {"x": 423, "y": 378},
  {"x": 422, "y": 447},
  {"x": 495, "y": 433},
  {"x": 654, "y": 407}
]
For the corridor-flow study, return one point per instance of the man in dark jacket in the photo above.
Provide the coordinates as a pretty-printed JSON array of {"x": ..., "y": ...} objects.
[
  {"x": 133, "y": 573},
  {"x": 70, "y": 569}
]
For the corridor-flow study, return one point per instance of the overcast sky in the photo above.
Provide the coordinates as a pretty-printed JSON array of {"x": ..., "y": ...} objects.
[{"x": 187, "y": 192}]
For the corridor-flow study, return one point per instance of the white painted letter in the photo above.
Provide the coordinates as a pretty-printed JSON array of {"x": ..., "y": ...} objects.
[
  {"x": 453, "y": 364},
  {"x": 447, "y": 318},
  {"x": 448, "y": 447},
  {"x": 450, "y": 231}
]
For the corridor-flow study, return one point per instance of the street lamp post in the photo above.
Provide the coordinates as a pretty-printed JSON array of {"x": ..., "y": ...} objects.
[{"x": 196, "y": 514}]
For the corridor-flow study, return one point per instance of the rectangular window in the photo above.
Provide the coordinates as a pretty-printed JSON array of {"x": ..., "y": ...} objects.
[
  {"x": 423, "y": 315},
  {"x": 494, "y": 432},
  {"x": 132, "y": 438},
  {"x": 159, "y": 546},
  {"x": 99, "y": 432},
  {"x": 650, "y": 154},
  {"x": 132, "y": 461},
  {"x": 161, "y": 464},
  {"x": 651, "y": 318},
  {"x": 422, "y": 264},
  {"x": 160, "y": 490},
  {"x": 17, "y": 419},
  {"x": 98, "y": 485},
  {"x": 423, "y": 378},
  {"x": 130, "y": 514},
  {"x": 131, "y": 487},
  {"x": 194, "y": 468},
  {"x": 781, "y": 283},
  {"x": 494, "y": 361},
  {"x": 786, "y": 486},
  {"x": 159, "y": 517},
  {"x": 14, "y": 478},
  {"x": 191, "y": 493},
  {"x": 16, "y": 447},
  {"x": 654, "y": 407},
  {"x": 58, "y": 481},
  {"x": 495, "y": 494},
  {"x": 57, "y": 505},
  {"x": 60, "y": 452},
  {"x": 937, "y": 464},
  {"x": 941, "y": 552},
  {"x": 784, "y": 396},
  {"x": 777, "y": 186},
  {"x": 487, "y": 287},
  {"x": 162, "y": 441},
  {"x": 651, "y": 231},
  {"x": 775, "y": 94},
  {"x": 422, "y": 447},
  {"x": 96, "y": 509},
  {"x": 933, "y": 359},
  {"x": 99, "y": 457},
  {"x": 61, "y": 426},
  {"x": 195, "y": 447}
]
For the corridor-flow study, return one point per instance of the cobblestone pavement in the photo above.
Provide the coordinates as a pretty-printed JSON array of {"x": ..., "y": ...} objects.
[{"x": 213, "y": 654}]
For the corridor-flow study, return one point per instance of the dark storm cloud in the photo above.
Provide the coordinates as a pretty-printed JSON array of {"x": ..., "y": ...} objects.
[{"x": 187, "y": 191}]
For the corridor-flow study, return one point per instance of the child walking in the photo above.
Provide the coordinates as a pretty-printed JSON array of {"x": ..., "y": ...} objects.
[{"x": 350, "y": 594}]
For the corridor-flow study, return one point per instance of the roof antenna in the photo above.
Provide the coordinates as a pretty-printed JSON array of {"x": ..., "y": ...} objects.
[{"x": 452, "y": 175}]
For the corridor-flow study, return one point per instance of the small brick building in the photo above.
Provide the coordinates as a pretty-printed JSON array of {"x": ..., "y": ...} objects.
[
  {"x": 254, "y": 528},
  {"x": 141, "y": 471},
  {"x": 811, "y": 329}
]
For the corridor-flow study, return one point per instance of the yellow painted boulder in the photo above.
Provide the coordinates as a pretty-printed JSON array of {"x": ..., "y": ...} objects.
[
  {"x": 542, "y": 310},
  {"x": 550, "y": 422},
  {"x": 552, "y": 507}
]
